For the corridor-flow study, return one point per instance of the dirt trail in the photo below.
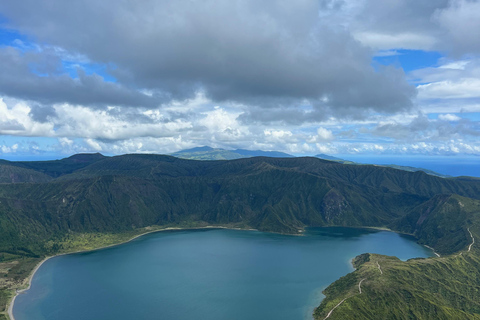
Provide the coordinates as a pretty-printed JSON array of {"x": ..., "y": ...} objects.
[
  {"x": 378, "y": 265},
  {"x": 330, "y": 313},
  {"x": 359, "y": 292},
  {"x": 473, "y": 240},
  {"x": 360, "y": 286}
]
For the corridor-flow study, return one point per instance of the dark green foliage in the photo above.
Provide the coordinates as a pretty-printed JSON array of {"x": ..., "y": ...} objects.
[
  {"x": 55, "y": 168},
  {"x": 12, "y": 174},
  {"x": 442, "y": 222},
  {"x": 4, "y": 299},
  {"x": 360, "y": 259},
  {"x": 123, "y": 193}
]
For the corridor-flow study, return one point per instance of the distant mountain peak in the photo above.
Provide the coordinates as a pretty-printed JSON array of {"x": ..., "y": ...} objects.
[
  {"x": 209, "y": 153},
  {"x": 198, "y": 149},
  {"x": 261, "y": 153},
  {"x": 86, "y": 157},
  {"x": 327, "y": 157}
]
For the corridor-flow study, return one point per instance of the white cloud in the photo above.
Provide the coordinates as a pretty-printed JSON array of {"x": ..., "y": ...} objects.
[
  {"x": 456, "y": 65},
  {"x": 277, "y": 134},
  {"x": 220, "y": 120},
  {"x": 448, "y": 117},
  {"x": 16, "y": 119},
  {"x": 324, "y": 134},
  {"x": 461, "y": 21},
  {"x": 453, "y": 87},
  {"x": 65, "y": 142},
  {"x": 460, "y": 89},
  {"x": 388, "y": 41},
  {"x": 93, "y": 144},
  {"x": 326, "y": 148}
]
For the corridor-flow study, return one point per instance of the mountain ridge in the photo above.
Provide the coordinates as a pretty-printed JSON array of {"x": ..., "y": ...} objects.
[{"x": 209, "y": 153}]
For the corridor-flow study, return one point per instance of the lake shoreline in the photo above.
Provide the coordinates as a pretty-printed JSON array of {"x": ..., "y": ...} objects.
[{"x": 37, "y": 267}]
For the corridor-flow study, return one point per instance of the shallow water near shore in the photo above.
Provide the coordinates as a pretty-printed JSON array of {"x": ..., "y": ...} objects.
[{"x": 204, "y": 274}]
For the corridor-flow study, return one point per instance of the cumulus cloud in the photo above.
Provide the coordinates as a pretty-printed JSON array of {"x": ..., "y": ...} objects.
[
  {"x": 447, "y": 127},
  {"x": 461, "y": 22},
  {"x": 462, "y": 88},
  {"x": 37, "y": 76},
  {"x": 404, "y": 24},
  {"x": 448, "y": 25},
  {"x": 16, "y": 120},
  {"x": 382, "y": 41},
  {"x": 9, "y": 149},
  {"x": 267, "y": 55},
  {"x": 296, "y": 76},
  {"x": 322, "y": 135},
  {"x": 452, "y": 87},
  {"x": 448, "y": 117}
]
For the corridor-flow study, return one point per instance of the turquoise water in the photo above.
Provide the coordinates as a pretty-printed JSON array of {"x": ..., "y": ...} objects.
[{"x": 203, "y": 274}]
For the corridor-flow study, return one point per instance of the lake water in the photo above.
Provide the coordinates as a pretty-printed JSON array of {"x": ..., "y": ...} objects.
[{"x": 213, "y": 274}]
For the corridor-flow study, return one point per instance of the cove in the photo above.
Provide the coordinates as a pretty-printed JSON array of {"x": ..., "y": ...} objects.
[{"x": 212, "y": 274}]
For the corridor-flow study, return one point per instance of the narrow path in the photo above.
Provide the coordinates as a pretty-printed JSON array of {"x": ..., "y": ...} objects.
[
  {"x": 360, "y": 292},
  {"x": 473, "y": 239},
  {"x": 330, "y": 313},
  {"x": 360, "y": 286},
  {"x": 378, "y": 264}
]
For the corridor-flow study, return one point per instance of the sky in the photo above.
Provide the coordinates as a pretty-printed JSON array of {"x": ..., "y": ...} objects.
[{"x": 340, "y": 77}]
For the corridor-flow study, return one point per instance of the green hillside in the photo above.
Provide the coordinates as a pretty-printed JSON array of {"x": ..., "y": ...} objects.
[
  {"x": 436, "y": 288},
  {"x": 13, "y": 174},
  {"x": 55, "y": 168},
  {"x": 88, "y": 201},
  {"x": 446, "y": 287}
]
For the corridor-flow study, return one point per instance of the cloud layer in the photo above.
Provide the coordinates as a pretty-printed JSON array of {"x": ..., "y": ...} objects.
[
  {"x": 297, "y": 76},
  {"x": 272, "y": 56}
]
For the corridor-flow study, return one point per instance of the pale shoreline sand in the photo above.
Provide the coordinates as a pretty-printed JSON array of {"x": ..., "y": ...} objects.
[
  {"x": 432, "y": 250},
  {"x": 30, "y": 277}
]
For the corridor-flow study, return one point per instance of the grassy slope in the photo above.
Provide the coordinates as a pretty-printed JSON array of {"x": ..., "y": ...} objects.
[{"x": 438, "y": 288}]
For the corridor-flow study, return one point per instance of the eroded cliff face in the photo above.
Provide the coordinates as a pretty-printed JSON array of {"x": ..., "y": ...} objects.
[{"x": 334, "y": 206}]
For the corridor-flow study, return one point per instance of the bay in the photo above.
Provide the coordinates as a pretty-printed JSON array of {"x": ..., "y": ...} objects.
[{"x": 204, "y": 274}]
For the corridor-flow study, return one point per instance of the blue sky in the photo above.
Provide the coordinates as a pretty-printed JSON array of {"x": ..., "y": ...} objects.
[
  {"x": 360, "y": 78},
  {"x": 410, "y": 60}
]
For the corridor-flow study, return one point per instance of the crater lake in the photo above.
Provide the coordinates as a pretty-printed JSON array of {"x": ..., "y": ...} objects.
[{"x": 212, "y": 274}]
